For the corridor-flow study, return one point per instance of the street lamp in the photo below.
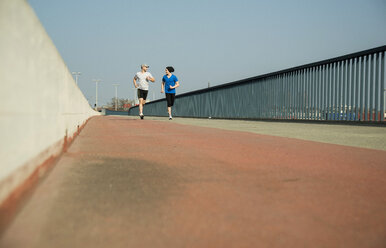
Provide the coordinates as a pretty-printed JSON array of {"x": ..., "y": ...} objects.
[
  {"x": 76, "y": 74},
  {"x": 135, "y": 95},
  {"x": 116, "y": 96},
  {"x": 96, "y": 92}
]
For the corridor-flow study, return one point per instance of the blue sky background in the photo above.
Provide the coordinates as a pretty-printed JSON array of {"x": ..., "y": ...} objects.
[{"x": 204, "y": 40}]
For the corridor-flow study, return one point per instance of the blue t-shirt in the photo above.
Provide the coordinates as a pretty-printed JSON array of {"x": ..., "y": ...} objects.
[{"x": 169, "y": 82}]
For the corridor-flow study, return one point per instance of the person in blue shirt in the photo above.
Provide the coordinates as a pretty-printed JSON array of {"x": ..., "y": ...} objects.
[{"x": 169, "y": 85}]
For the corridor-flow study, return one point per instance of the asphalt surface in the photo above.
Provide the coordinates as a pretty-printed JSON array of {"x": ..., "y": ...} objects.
[{"x": 126, "y": 182}]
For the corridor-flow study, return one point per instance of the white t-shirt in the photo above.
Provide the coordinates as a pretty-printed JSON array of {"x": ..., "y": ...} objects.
[{"x": 141, "y": 80}]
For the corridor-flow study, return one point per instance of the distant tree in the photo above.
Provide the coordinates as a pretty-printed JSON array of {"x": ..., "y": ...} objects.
[
  {"x": 111, "y": 104},
  {"x": 122, "y": 104}
]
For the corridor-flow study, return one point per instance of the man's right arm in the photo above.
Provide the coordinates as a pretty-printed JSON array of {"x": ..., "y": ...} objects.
[{"x": 135, "y": 82}]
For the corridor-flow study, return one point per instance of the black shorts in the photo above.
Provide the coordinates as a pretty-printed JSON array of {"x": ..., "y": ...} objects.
[
  {"x": 170, "y": 98},
  {"x": 142, "y": 94}
]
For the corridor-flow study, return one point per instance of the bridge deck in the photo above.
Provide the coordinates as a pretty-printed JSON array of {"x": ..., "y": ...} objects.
[{"x": 126, "y": 182}]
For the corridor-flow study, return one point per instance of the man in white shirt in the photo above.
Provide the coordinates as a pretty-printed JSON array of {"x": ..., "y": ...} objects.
[{"x": 141, "y": 82}]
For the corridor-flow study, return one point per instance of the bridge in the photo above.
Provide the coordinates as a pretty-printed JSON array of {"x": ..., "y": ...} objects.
[
  {"x": 126, "y": 182},
  {"x": 294, "y": 173}
]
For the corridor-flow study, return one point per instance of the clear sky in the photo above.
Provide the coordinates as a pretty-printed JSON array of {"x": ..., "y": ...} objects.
[{"x": 216, "y": 41}]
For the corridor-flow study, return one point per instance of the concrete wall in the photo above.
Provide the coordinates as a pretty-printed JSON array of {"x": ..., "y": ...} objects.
[{"x": 40, "y": 104}]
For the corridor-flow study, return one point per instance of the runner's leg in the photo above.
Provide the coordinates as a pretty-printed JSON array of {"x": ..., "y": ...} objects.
[{"x": 140, "y": 106}]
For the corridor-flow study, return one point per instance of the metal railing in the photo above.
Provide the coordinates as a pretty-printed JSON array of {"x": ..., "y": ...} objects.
[{"x": 346, "y": 88}]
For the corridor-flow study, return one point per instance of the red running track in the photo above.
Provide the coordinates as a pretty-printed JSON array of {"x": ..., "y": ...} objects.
[{"x": 138, "y": 183}]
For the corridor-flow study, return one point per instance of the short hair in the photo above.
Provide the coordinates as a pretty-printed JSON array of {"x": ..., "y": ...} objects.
[{"x": 170, "y": 68}]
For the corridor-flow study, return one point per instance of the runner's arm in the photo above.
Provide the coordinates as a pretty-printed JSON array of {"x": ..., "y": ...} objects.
[
  {"x": 175, "y": 86},
  {"x": 151, "y": 79},
  {"x": 135, "y": 82}
]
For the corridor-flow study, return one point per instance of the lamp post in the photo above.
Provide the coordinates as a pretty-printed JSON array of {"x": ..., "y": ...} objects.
[
  {"x": 135, "y": 95},
  {"x": 116, "y": 96},
  {"x": 76, "y": 74},
  {"x": 96, "y": 92}
]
